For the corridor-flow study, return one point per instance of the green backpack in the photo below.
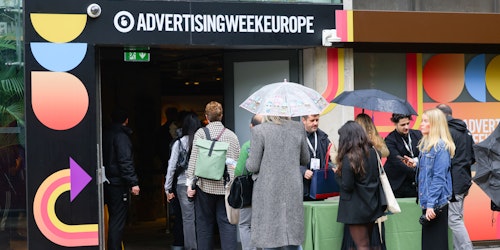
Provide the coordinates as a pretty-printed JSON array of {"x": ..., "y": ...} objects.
[{"x": 211, "y": 161}]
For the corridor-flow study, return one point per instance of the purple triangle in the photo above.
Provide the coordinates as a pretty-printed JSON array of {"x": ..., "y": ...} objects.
[{"x": 79, "y": 178}]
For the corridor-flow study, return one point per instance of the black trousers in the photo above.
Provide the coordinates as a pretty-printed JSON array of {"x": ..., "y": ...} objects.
[
  {"x": 178, "y": 229},
  {"x": 117, "y": 198},
  {"x": 435, "y": 234},
  {"x": 211, "y": 209}
]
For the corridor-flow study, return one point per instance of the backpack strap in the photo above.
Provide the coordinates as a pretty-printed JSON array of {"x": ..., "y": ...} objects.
[
  {"x": 221, "y": 132},
  {"x": 207, "y": 134}
]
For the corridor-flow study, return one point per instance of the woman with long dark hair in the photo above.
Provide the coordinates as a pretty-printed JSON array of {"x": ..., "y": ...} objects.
[
  {"x": 358, "y": 177},
  {"x": 175, "y": 180}
]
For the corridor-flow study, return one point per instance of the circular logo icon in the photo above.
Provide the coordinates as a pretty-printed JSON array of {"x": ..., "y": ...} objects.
[{"x": 124, "y": 21}]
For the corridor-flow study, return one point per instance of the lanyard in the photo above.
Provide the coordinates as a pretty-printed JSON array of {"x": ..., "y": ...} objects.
[
  {"x": 408, "y": 147},
  {"x": 315, "y": 144}
]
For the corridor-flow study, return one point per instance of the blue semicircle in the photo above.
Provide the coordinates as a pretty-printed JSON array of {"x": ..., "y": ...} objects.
[
  {"x": 475, "y": 78},
  {"x": 58, "y": 57}
]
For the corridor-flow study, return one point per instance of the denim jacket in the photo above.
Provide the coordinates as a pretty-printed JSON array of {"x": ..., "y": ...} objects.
[{"x": 434, "y": 177}]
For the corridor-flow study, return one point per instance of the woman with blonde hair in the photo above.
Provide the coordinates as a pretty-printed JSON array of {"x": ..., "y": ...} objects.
[
  {"x": 371, "y": 131},
  {"x": 278, "y": 149},
  {"x": 434, "y": 178}
]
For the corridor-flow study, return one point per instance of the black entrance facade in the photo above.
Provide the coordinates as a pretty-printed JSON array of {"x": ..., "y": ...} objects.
[{"x": 65, "y": 50}]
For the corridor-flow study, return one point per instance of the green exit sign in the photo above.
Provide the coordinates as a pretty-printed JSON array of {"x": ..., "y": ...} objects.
[{"x": 136, "y": 56}]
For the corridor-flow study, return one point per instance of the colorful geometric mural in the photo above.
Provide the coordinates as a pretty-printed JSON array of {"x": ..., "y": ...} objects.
[
  {"x": 60, "y": 102},
  {"x": 449, "y": 78},
  {"x": 73, "y": 180}
]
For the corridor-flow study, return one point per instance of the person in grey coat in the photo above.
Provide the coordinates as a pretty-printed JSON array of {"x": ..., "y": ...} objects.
[{"x": 278, "y": 150}]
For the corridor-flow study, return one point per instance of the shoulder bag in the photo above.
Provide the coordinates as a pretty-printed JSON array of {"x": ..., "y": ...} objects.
[
  {"x": 233, "y": 214},
  {"x": 392, "y": 203},
  {"x": 240, "y": 194},
  {"x": 323, "y": 183}
]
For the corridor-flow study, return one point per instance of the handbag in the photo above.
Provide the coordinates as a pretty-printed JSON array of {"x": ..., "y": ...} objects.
[
  {"x": 438, "y": 211},
  {"x": 390, "y": 199},
  {"x": 323, "y": 183},
  {"x": 240, "y": 194},
  {"x": 233, "y": 214}
]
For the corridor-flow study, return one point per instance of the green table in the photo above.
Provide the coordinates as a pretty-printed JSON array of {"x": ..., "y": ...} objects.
[{"x": 323, "y": 232}]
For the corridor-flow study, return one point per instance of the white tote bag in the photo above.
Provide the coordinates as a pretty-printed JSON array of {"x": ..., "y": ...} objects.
[
  {"x": 233, "y": 214},
  {"x": 392, "y": 203}
]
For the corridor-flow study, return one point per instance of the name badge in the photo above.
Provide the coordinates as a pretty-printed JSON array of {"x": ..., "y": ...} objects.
[{"x": 315, "y": 163}]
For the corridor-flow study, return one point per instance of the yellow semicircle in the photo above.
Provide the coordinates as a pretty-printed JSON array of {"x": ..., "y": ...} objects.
[{"x": 58, "y": 28}]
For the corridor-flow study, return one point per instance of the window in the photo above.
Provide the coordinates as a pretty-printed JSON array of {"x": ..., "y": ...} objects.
[{"x": 12, "y": 167}]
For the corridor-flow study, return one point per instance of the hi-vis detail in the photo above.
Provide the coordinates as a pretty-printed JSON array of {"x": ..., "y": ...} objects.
[{"x": 124, "y": 22}]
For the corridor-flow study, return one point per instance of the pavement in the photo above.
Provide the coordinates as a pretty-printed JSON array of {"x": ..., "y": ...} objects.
[{"x": 152, "y": 235}]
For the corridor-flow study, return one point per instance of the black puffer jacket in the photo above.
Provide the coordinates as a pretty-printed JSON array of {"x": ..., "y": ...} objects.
[
  {"x": 464, "y": 156},
  {"x": 118, "y": 157}
]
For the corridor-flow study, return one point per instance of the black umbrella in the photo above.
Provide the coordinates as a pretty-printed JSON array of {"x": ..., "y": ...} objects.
[
  {"x": 487, "y": 154},
  {"x": 376, "y": 100}
]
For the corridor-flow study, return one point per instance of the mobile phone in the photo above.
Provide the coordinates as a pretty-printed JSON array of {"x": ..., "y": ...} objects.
[{"x": 400, "y": 157}]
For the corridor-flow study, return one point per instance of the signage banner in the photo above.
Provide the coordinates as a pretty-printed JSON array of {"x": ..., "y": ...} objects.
[{"x": 209, "y": 23}]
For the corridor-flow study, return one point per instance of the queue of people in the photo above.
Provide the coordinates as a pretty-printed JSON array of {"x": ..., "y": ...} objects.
[{"x": 431, "y": 164}]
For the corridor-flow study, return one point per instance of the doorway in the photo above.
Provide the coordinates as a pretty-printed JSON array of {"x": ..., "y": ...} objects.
[
  {"x": 173, "y": 78},
  {"x": 184, "y": 79}
]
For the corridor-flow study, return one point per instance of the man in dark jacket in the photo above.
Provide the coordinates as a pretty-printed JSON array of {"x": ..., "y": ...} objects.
[
  {"x": 461, "y": 177},
  {"x": 318, "y": 145},
  {"x": 402, "y": 142},
  {"x": 120, "y": 172}
]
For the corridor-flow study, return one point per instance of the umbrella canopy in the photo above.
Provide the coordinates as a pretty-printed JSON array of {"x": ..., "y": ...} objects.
[
  {"x": 285, "y": 99},
  {"x": 376, "y": 100},
  {"x": 487, "y": 154}
]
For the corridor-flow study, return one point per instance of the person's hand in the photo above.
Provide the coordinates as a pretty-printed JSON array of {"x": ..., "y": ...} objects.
[
  {"x": 135, "y": 190},
  {"x": 308, "y": 174},
  {"x": 408, "y": 161},
  {"x": 430, "y": 214},
  {"x": 190, "y": 192},
  {"x": 170, "y": 196}
]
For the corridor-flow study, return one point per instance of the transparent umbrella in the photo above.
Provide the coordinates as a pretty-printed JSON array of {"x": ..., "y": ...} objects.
[{"x": 285, "y": 99}]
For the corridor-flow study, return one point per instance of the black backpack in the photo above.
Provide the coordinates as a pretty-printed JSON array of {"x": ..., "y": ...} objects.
[{"x": 182, "y": 159}]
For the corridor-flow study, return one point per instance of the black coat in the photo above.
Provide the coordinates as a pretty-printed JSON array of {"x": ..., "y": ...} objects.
[
  {"x": 464, "y": 156},
  {"x": 323, "y": 143},
  {"x": 397, "y": 171},
  {"x": 118, "y": 158},
  {"x": 360, "y": 196}
]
